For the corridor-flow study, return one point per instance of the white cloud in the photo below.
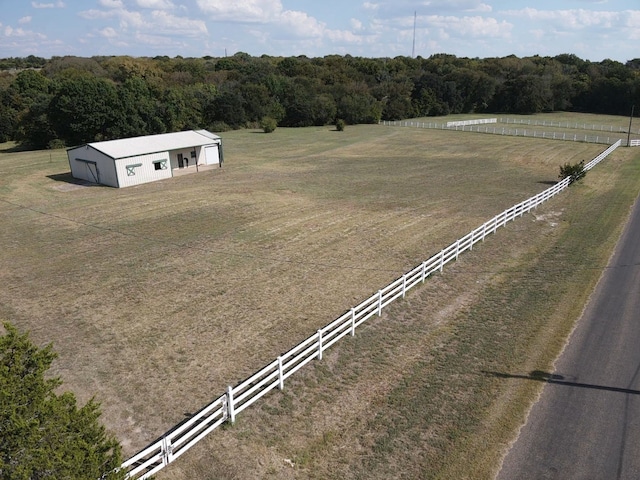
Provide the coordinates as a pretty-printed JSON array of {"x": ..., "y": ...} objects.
[
  {"x": 108, "y": 33},
  {"x": 19, "y": 32},
  {"x": 396, "y": 8},
  {"x": 163, "y": 22},
  {"x": 156, "y": 4},
  {"x": 469, "y": 26},
  {"x": 24, "y": 20},
  {"x": 633, "y": 24},
  {"x": 111, "y": 3},
  {"x": 571, "y": 19},
  {"x": 48, "y": 5},
  {"x": 300, "y": 24},
  {"x": 250, "y": 11},
  {"x": 159, "y": 22}
]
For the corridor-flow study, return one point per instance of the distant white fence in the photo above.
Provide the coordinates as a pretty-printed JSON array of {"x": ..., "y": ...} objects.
[
  {"x": 569, "y": 125},
  {"x": 634, "y": 143},
  {"x": 226, "y": 407},
  {"x": 514, "y": 132},
  {"x": 481, "y": 121}
]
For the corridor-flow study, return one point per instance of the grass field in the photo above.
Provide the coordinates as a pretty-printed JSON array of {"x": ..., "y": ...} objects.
[{"x": 158, "y": 296}]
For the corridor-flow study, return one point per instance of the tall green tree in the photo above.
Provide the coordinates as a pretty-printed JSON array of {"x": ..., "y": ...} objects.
[
  {"x": 86, "y": 109},
  {"x": 44, "y": 435}
]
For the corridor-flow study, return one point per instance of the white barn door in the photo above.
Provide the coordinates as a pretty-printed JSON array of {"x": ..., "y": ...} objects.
[{"x": 211, "y": 155}]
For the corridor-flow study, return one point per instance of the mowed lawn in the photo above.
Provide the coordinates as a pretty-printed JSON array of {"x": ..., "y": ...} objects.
[{"x": 157, "y": 297}]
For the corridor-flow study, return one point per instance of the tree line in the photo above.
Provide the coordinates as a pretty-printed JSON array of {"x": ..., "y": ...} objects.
[{"x": 66, "y": 101}]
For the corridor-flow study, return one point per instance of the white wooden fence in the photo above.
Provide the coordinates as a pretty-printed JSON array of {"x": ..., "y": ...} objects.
[
  {"x": 226, "y": 407},
  {"x": 569, "y": 125},
  {"x": 517, "y": 132},
  {"x": 634, "y": 143},
  {"x": 480, "y": 121}
]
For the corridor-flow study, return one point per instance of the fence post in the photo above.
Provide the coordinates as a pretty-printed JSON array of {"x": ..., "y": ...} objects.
[
  {"x": 379, "y": 302},
  {"x": 484, "y": 230},
  {"x": 441, "y": 260},
  {"x": 404, "y": 285},
  {"x": 471, "y": 247},
  {"x": 280, "y": 373},
  {"x": 424, "y": 271},
  {"x": 167, "y": 451},
  {"x": 353, "y": 322},
  {"x": 231, "y": 414},
  {"x": 457, "y": 249},
  {"x": 320, "y": 344}
]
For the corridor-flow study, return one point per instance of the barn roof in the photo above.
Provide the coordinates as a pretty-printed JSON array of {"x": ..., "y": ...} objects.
[{"x": 129, "y": 147}]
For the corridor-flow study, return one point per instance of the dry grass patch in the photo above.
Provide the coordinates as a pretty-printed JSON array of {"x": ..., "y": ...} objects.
[
  {"x": 158, "y": 296},
  {"x": 418, "y": 393}
]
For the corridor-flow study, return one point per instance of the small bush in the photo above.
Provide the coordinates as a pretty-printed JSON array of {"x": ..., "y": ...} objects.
[
  {"x": 268, "y": 124},
  {"x": 220, "y": 127},
  {"x": 574, "y": 171},
  {"x": 340, "y": 124},
  {"x": 56, "y": 144}
]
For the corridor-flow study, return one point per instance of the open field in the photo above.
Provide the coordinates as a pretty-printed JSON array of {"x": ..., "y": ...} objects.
[{"x": 158, "y": 296}]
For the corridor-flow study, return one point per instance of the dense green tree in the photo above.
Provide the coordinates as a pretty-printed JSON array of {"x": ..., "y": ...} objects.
[
  {"x": 524, "y": 94},
  {"x": 227, "y": 107},
  {"x": 139, "y": 111},
  {"x": 86, "y": 109},
  {"x": 44, "y": 435},
  {"x": 34, "y": 128},
  {"x": 70, "y": 66},
  {"x": 73, "y": 99}
]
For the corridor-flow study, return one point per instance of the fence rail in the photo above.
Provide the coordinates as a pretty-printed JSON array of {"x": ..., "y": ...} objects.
[
  {"x": 567, "y": 125},
  {"x": 479, "y": 121},
  {"x": 513, "y": 132},
  {"x": 185, "y": 435}
]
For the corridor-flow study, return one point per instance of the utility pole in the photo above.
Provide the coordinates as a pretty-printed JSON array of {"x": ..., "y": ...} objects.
[
  {"x": 413, "y": 50},
  {"x": 629, "y": 132}
]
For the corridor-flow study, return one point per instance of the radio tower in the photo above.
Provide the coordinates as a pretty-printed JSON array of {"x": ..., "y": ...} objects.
[{"x": 413, "y": 50}]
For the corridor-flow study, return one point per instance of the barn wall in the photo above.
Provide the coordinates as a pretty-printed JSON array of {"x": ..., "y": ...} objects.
[
  {"x": 81, "y": 170},
  {"x": 142, "y": 169},
  {"x": 211, "y": 154}
]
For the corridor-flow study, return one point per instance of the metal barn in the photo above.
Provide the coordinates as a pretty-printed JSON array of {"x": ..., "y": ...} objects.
[{"x": 133, "y": 161}]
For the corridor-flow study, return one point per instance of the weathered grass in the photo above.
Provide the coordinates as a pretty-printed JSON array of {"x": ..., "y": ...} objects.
[
  {"x": 158, "y": 296},
  {"x": 425, "y": 391}
]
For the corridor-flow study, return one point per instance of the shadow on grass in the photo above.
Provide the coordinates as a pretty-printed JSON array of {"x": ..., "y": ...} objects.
[
  {"x": 67, "y": 178},
  {"x": 18, "y": 148},
  {"x": 540, "y": 376},
  {"x": 548, "y": 182}
]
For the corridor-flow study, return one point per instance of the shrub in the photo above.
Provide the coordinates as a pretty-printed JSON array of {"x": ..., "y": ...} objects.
[
  {"x": 220, "y": 127},
  {"x": 574, "y": 171},
  {"x": 268, "y": 124},
  {"x": 340, "y": 124},
  {"x": 56, "y": 144}
]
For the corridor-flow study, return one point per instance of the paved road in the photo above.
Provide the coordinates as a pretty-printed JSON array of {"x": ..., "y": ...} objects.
[{"x": 586, "y": 424}]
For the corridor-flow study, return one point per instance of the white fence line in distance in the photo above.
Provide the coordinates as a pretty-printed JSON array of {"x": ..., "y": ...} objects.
[
  {"x": 514, "y": 132},
  {"x": 480, "y": 121},
  {"x": 573, "y": 125},
  {"x": 225, "y": 408}
]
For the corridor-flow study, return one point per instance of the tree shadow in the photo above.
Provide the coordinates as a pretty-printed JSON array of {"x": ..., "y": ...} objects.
[
  {"x": 18, "y": 148},
  {"x": 552, "y": 378},
  {"x": 548, "y": 182}
]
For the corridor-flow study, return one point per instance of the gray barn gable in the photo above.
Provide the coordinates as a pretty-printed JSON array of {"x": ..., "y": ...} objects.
[{"x": 133, "y": 161}]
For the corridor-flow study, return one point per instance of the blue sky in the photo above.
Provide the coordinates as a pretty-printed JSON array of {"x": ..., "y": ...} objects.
[{"x": 591, "y": 29}]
